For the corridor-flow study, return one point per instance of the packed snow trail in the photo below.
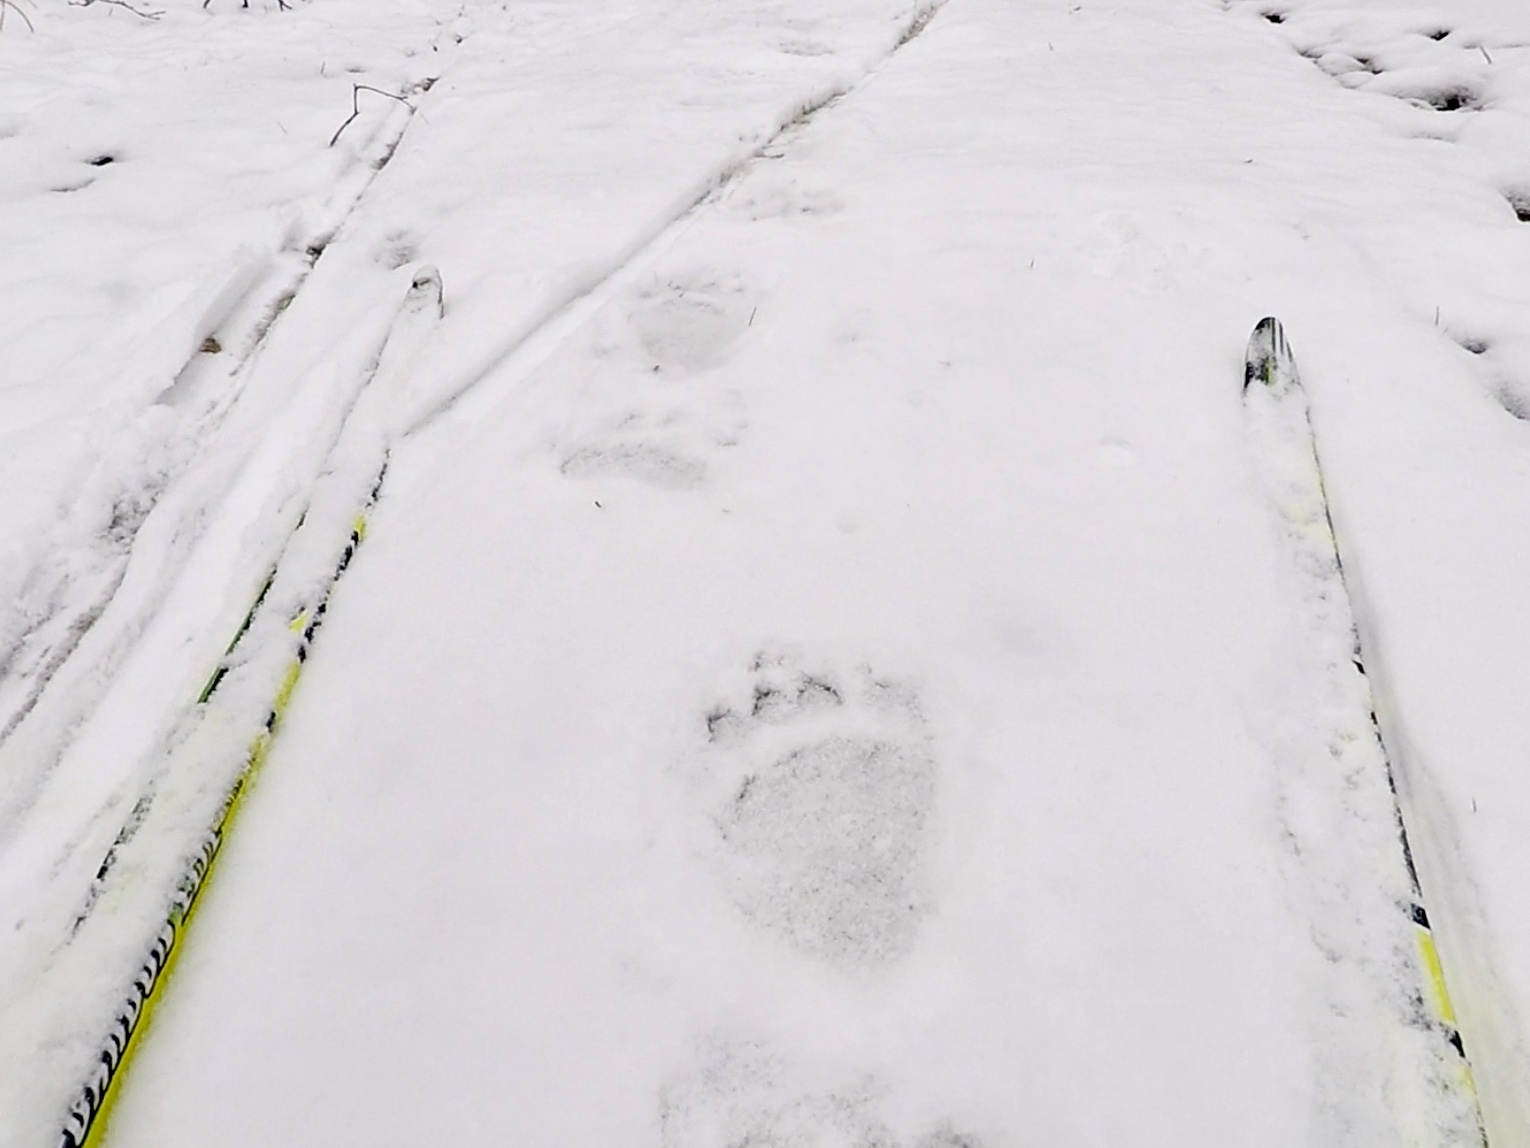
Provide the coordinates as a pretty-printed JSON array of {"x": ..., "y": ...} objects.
[{"x": 852, "y": 688}]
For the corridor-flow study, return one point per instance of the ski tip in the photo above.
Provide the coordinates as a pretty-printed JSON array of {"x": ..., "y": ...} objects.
[
  {"x": 1269, "y": 355},
  {"x": 426, "y": 286},
  {"x": 426, "y": 278}
]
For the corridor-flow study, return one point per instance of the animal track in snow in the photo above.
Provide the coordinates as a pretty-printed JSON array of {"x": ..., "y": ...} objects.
[
  {"x": 656, "y": 412},
  {"x": 666, "y": 449},
  {"x": 1152, "y": 252},
  {"x": 742, "y": 1094},
  {"x": 798, "y": 46},
  {"x": 401, "y": 247},
  {"x": 771, "y": 195},
  {"x": 690, "y": 321},
  {"x": 820, "y": 785},
  {"x": 647, "y": 462}
]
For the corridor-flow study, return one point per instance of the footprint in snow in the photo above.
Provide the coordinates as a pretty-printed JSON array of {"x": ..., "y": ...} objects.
[
  {"x": 1151, "y": 251},
  {"x": 820, "y": 785},
  {"x": 743, "y": 1093},
  {"x": 803, "y": 47},
  {"x": 651, "y": 463},
  {"x": 656, "y": 410},
  {"x": 399, "y": 247},
  {"x": 689, "y": 321},
  {"x": 662, "y": 448},
  {"x": 767, "y": 194}
]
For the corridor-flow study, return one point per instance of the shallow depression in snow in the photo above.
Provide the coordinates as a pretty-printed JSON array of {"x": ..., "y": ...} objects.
[
  {"x": 743, "y": 1092},
  {"x": 690, "y": 321},
  {"x": 831, "y": 785}
]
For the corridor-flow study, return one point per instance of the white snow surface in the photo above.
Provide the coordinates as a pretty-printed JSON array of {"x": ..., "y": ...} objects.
[{"x": 824, "y": 668}]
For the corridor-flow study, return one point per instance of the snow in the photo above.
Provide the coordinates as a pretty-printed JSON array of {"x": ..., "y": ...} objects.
[{"x": 825, "y": 666}]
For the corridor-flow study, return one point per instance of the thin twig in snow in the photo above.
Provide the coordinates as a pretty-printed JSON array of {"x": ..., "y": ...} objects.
[
  {"x": 356, "y": 90},
  {"x": 6, "y": 6},
  {"x": 146, "y": 13}
]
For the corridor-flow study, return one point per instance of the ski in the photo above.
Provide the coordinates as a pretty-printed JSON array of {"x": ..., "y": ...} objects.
[
  {"x": 1282, "y": 436},
  {"x": 252, "y": 686}
]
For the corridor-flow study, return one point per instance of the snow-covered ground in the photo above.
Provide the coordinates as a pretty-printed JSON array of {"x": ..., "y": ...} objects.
[{"x": 824, "y": 667}]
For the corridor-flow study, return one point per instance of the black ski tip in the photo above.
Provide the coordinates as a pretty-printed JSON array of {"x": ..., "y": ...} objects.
[
  {"x": 1269, "y": 327},
  {"x": 426, "y": 278},
  {"x": 1268, "y": 356},
  {"x": 425, "y": 289}
]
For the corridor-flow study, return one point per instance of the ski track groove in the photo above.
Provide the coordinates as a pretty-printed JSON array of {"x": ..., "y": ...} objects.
[
  {"x": 279, "y": 297},
  {"x": 529, "y": 347}
]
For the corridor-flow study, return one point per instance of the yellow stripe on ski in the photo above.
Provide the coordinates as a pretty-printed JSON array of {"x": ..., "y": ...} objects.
[
  {"x": 1434, "y": 976},
  {"x": 284, "y": 693},
  {"x": 179, "y": 922}
]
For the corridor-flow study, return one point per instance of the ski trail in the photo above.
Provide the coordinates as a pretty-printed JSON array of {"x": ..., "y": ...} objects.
[
  {"x": 243, "y": 313},
  {"x": 73, "y": 600},
  {"x": 544, "y": 332}
]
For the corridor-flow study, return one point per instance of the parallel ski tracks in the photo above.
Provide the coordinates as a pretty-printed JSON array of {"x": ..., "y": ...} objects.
[{"x": 35, "y": 658}]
